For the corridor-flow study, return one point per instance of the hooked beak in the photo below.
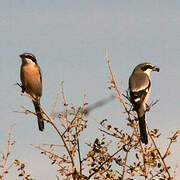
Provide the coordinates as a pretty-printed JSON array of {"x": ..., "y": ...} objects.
[{"x": 156, "y": 68}]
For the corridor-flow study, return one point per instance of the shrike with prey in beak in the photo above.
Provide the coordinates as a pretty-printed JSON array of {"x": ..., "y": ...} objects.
[
  {"x": 140, "y": 87},
  {"x": 31, "y": 79}
]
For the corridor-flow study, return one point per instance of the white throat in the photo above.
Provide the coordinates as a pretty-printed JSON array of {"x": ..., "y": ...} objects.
[
  {"x": 29, "y": 61},
  {"x": 148, "y": 71}
]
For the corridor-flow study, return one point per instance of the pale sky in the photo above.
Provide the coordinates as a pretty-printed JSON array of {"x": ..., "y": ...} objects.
[{"x": 69, "y": 39}]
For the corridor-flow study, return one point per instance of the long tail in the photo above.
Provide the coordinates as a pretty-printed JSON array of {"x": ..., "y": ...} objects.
[
  {"x": 142, "y": 125},
  {"x": 39, "y": 115}
]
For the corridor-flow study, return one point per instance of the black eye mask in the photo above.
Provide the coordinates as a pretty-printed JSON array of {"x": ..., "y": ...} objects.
[
  {"x": 32, "y": 58},
  {"x": 144, "y": 68}
]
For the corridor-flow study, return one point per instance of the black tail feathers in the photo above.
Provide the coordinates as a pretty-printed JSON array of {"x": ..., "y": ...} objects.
[
  {"x": 143, "y": 131},
  {"x": 39, "y": 115}
]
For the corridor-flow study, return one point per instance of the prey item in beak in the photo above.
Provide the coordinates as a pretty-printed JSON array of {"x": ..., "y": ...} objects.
[{"x": 156, "y": 68}]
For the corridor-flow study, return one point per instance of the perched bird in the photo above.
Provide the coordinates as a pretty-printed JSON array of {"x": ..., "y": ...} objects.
[
  {"x": 31, "y": 79},
  {"x": 140, "y": 87}
]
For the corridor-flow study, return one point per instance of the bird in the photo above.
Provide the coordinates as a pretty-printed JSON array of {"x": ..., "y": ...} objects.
[
  {"x": 140, "y": 88},
  {"x": 31, "y": 79}
]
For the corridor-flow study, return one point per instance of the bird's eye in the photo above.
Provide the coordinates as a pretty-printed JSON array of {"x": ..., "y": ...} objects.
[
  {"x": 144, "y": 68},
  {"x": 32, "y": 58}
]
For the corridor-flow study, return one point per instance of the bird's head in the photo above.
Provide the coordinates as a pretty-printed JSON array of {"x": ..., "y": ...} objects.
[
  {"x": 28, "y": 58},
  {"x": 147, "y": 68}
]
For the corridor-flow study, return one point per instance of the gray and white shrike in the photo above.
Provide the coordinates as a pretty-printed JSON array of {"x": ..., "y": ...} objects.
[
  {"x": 140, "y": 87},
  {"x": 31, "y": 79}
]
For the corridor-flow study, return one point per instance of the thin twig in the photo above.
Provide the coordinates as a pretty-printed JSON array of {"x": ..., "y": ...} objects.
[
  {"x": 175, "y": 172},
  {"x": 157, "y": 149},
  {"x": 68, "y": 128},
  {"x": 103, "y": 164},
  {"x": 10, "y": 143},
  {"x": 79, "y": 153},
  {"x": 46, "y": 151},
  {"x": 143, "y": 153},
  {"x": 57, "y": 177},
  {"x": 62, "y": 138},
  {"x": 126, "y": 157},
  {"x": 52, "y": 145},
  {"x": 114, "y": 82},
  {"x": 148, "y": 107},
  {"x": 65, "y": 102},
  {"x": 26, "y": 111},
  {"x": 170, "y": 143},
  {"x": 55, "y": 104}
]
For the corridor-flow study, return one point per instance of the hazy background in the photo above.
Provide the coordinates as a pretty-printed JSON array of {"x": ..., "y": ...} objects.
[{"x": 68, "y": 39}]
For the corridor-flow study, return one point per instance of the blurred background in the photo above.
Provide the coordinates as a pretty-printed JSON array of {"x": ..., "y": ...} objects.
[{"x": 69, "y": 40}]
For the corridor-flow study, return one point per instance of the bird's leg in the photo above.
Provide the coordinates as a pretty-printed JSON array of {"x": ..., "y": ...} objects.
[
  {"x": 22, "y": 88},
  {"x": 148, "y": 107}
]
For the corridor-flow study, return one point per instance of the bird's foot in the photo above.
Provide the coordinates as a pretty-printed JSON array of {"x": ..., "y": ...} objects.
[
  {"x": 22, "y": 88},
  {"x": 148, "y": 107}
]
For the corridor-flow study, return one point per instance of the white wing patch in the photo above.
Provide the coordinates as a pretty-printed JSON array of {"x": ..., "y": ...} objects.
[
  {"x": 137, "y": 99},
  {"x": 139, "y": 89}
]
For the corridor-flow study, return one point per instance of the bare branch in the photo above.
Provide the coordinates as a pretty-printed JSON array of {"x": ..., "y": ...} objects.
[{"x": 6, "y": 156}]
